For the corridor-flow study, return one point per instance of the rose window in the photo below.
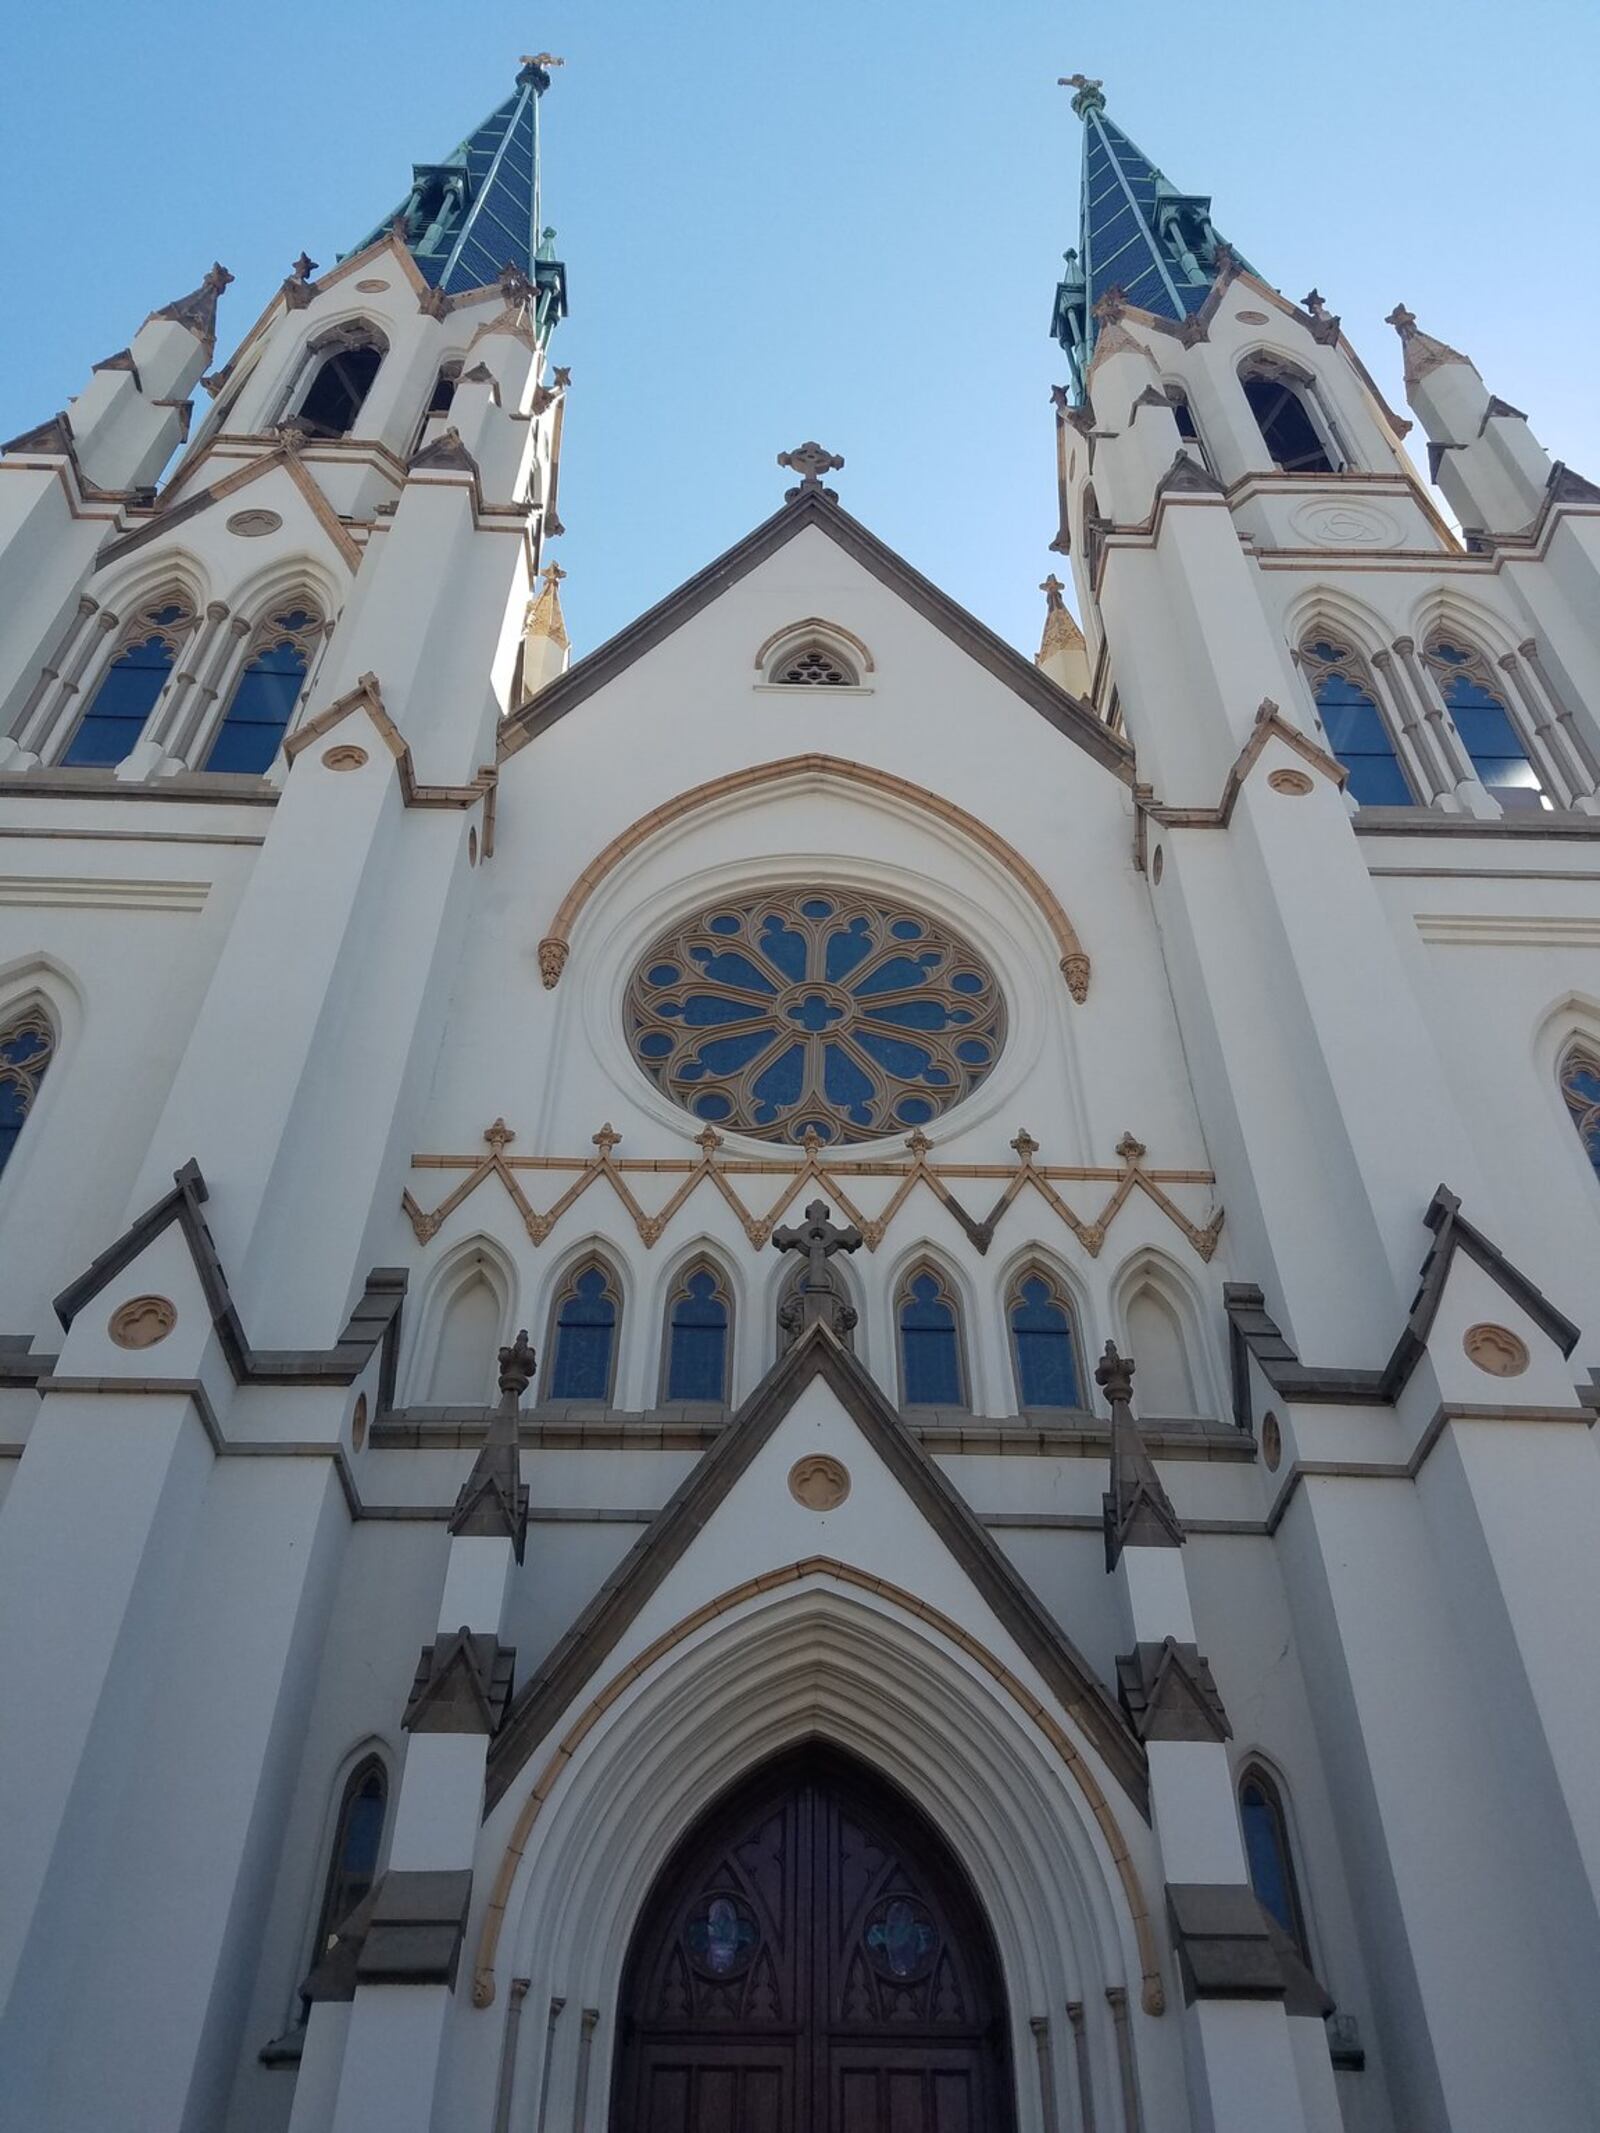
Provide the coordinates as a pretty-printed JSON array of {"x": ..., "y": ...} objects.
[{"x": 801, "y": 1010}]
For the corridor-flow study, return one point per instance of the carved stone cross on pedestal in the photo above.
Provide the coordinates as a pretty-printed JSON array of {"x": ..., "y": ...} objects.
[
  {"x": 810, "y": 462},
  {"x": 819, "y": 1295}
]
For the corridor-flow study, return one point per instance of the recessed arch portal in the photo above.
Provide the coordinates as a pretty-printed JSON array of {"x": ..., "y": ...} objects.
[{"x": 812, "y": 1954}]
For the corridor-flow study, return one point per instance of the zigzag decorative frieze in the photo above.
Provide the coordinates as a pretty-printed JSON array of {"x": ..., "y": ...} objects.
[{"x": 831, "y": 1175}]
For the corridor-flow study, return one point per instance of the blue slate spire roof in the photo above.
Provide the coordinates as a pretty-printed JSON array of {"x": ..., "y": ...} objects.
[
  {"x": 1138, "y": 233},
  {"x": 478, "y": 212}
]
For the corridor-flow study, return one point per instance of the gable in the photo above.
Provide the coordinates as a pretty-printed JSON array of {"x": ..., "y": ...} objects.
[
  {"x": 1073, "y": 719},
  {"x": 735, "y": 1516}
]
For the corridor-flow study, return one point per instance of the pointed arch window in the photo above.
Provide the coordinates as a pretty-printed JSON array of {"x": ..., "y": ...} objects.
[
  {"x": 357, "y": 1841},
  {"x": 1580, "y": 1090},
  {"x": 266, "y": 693},
  {"x": 1288, "y": 418},
  {"x": 350, "y": 359},
  {"x": 1354, "y": 726},
  {"x": 1267, "y": 1855},
  {"x": 121, "y": 705},
  {"x": 699, "y": 1326},
  {"x": 470, "y": 1329},
  {"x": 1483, "y": 719},
  {"x": 27, "y": 1046},
  {"x": 1188, "y": 429},
  {"x": 1044, "y": 1342},
  {"x": 587, "y": 1315},
  {"x": 816, "y": 666},
  {"x": 1157, "y": 1345},
  {"x": 931, "y": 1367}
]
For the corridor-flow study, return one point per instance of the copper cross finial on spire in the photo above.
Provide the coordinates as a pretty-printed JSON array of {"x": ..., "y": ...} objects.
[
  {"x": 1086, "y": 90},
  {"x": 541, "y": 59},
  {"x": 810, "y": 461}
]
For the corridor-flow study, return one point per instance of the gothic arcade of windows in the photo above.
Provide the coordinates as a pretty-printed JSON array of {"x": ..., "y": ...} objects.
[
  {"x": 27, "y": 1046},
  {"x": 1477, "y": 704},
  {"x": 115, "y": 715},
  {"x": 266, "y": 692},
  {"x": 1580, "y": 1091},
  {"x": 1354, "y": 726}
]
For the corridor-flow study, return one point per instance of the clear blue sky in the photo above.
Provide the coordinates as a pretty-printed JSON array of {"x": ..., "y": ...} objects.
[{"x": 840, "y": 220}]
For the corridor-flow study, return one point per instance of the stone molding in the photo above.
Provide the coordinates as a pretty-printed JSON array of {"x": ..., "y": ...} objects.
[
  {"x": 366, "y": 696},
  {"x": 1221, "y": 1939},
  {"x": 415, "y": 1929},
  {"x": 1169, "y": 1694},
  {"x": 462, "y": 1685}
]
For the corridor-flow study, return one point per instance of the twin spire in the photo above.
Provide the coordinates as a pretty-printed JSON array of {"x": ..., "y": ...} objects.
[{"x": 1138, "y": 236}]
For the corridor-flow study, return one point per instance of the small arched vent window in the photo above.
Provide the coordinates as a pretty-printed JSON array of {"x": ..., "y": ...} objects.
[
  {"x": 1483, "y": 719},
  {"x": 1580, "y": 1090},
  {"x": 351, "y": 358},
  {"x": 699, "y": 1320},
  {"x": 27, "y": 1046},
  {"x": 128, "y": 689},
  {"x": 1044, "y": 1342},
  {"x": 1183, "y": 415},
  {"x": 357, "y": 1841},
  {"x": 584, "y": 1335},
  {"x": 931, "y": 1373},
  {"x": 266, "y": 693},
  {"x": 1155, "y": 1339},
  {"x": 1266, "y": 1849},
  {"x": 1285, "y": 412},
  {"x": 1354, "y": 726},
  {"x": 815, "y": 666}
]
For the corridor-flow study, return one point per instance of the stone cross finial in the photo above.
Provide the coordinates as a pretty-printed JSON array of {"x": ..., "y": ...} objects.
[
  {"x": 304, "y": 267},
  {"x": 1315, "y": 303},
  {"x": 810, "y": 461},
  {"x": 499, "y": 1136},
  {"x": 1052, "y": 589},
  {"x": 1114, "y": 1376},
  {"x": 1025, "y": 1144},
  {"x": 517, "y": 1365},
  {"x": 606, "y": 1139},
  {"x": 819, "y": 1296},
  {"x": 552, "y": 574},
  {"x": 1403, "y": 321}
]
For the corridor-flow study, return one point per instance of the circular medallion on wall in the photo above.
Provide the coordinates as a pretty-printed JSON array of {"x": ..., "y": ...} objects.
[
  {"x": 1251, "y": 318},
  {"x": 142, "y": 1321},
  {"x": 345, "y": 757},
  {"x": 1271, "y": 1441},
  {"x": 819, "y": 1481},
  {"x": 1496, "y": 1349},
  {"x": 250, "y": 525},
  {"x": 814, "y": 1011},
  {"x": 1293, "y": 782},
  {"x": 372, "y": 288},
  {"x": 358, "y": 1423},
  {"x": 1326, "y": 524}
]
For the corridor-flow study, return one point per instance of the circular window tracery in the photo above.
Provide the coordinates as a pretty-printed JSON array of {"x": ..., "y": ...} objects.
[{"x": 807, "y": 1010}]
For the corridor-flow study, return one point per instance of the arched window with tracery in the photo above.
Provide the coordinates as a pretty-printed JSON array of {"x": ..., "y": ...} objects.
[
  {"x": 583, "y": 1334},
  {"x": 350, "y": 358},
  {"x": 1044, "y": 1341},
  {"x": 117, "y": 712},
  {"x": 1580, "y": 1090},
  {"x": 1267, "y": 1854},
  {"x": 1483, "y": 719},
  {"x": 932, "y": 1368},
  {"x": 1292, "y": 425},
  {"x": 27, "y": 1046},
  {"x": 698, "y": 1337},
  {"x": 815, "y": 666},
  {"x": 264, "y": 696},
  {"x": 1353, "y": 724},
  {"x": 353, "y": 1859}
]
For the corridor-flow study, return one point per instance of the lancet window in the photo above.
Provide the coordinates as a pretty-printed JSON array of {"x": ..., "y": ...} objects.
[
  {"x": 1580, "y": 1090},
  {"x": 1267, "y": 1854},
  {"x": 587, "y": 1316},
  {"x": 357, "y": 1841},
  {"x": 351, "y": 357},
  {"x": 266, "y": 693},
  {"x": 128, "y": 689},
  {"x": 931, "y": 1365},
  {"x": 1188, "y": 429},
  {"x": 1354, "y": 726},
  {"x": 1483, "y": 719},
  {"x": 27, "y": 1046},
  {"x": 699, "y": 1326},
  {"x": 1044, "y": 1341},
  {"x": 1286, "y": 415}
]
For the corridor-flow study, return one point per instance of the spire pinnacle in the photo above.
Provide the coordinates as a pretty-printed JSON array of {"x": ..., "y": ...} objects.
[
  {"x": 1138, "y": 1510},
  {"x": 1143, "y": 244},
  {"x": 545, "y": 618},
  {"x": 1422, "y": 352},
  {"x": 198, "y": 310}
]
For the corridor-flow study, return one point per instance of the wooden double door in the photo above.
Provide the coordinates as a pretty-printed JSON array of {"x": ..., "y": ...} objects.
[{"x": 812, "y": 1960}]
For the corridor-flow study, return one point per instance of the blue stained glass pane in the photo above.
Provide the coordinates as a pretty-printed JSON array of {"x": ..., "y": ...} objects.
[
  {"x": 846, "y": 950},
  {"x": 899, "y": 974},
  {"x": 780, "y": 1084},
  {"x": 972, "y": 1053},
  {"x": 907, "y": 1061},
  {"x": 919, "y": 1014},
  {"x": 363, "y": 1834},
  {"x": 966, "y": 981},
  {"x": 698, "y": 1342},
  {"x": 930, "y": 1351},
  {"x": 1358, "y": 736},
  {"x": 586, "y": 1328},
  {"x": 13, "y": 1110},
  {"x": 712, "y": 1106},
  {"x": 844, "y": 1084},
  {"x": 704, "y": 1010},
  {"x": 913, "y": 1110},
  {"x": 126, "y": 697},
  {"x": 724, "y": 922},
  {"x": 784, "y": 948},
  {"x": 260, "y": 709},
  {"x": 725, "y": 1055},
  {"x": 906, "y": 929},
  {"x": 816, "y": 907},
  {"x": 664, "y": 974},
  {"x": 1490, "y": 739},
  {"x": 1047, "y": 1367},
  {"x": 733, "y": 969},
  {"x": 655, "y": 1045},
  {"x": 1266, "y": 1849}
]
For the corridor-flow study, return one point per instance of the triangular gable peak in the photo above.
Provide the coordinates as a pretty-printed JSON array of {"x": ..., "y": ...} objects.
[
  {"x": 904, "y": 1476},
  {"x": 814, "y": 507}
]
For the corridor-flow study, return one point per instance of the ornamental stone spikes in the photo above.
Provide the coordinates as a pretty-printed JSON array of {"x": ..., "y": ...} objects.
[
  {"x": 1138, "y": 1512},
  {"x": 819, "y": 1298},
  {"x": 810, "y": 461}
]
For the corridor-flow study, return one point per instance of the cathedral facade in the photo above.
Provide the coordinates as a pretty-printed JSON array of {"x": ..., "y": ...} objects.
[{"x": 802, "y": 1377}]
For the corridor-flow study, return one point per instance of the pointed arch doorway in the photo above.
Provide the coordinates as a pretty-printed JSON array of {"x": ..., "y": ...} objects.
[{"x": 812, "y": 1960}]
